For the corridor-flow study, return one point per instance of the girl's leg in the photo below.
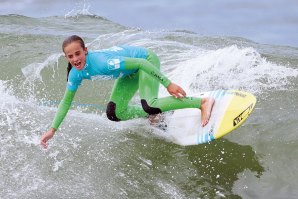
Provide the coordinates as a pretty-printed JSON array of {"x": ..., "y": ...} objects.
[
  {"x": 123, "y": 91},
  {"x": 149, "y": 93}
]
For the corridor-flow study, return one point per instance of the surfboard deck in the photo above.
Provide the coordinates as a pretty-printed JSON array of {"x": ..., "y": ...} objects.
[{"x": 230, "y": 110}]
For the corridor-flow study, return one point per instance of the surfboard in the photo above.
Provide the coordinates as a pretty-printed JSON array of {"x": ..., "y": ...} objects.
[{"x": 230, "y": 110}]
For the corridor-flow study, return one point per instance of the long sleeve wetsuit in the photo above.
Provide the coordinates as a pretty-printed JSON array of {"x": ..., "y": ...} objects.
[{"x": 134, "y": 68}]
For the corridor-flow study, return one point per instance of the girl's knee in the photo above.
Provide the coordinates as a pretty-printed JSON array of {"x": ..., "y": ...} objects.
[
  {"x": 111, "y": 112},
  {"x": 149, "y": 109}
]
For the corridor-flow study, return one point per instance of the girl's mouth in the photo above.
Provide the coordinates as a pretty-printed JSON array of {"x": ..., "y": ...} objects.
[{"x": 77, "y": 64}]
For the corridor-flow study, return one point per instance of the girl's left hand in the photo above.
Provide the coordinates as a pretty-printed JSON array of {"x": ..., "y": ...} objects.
[
  {"x": 176, "y": 90},
  {"x": 46, "y": 136}
]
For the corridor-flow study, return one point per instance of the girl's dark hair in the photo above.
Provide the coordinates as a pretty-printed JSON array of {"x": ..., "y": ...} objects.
[
  {"x": 69, "y": 67},
  {"x": 69, "y": 40}
]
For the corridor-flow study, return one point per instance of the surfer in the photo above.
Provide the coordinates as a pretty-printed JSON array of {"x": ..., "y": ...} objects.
[{"x": 135, "y": 69}]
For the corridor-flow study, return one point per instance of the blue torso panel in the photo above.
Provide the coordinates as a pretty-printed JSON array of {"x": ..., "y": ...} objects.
[{"x": 105, "y": 64}]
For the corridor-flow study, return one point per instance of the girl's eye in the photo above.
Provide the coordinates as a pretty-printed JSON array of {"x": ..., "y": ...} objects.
[
  {"x": 69, "y": 56},
  {"x": 78, "y": 53}
]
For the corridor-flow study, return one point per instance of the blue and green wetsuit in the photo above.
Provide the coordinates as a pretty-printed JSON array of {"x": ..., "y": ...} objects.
[{"x": 134, "y": 68}]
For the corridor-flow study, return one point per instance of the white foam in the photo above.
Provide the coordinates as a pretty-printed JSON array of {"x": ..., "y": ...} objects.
[{"x": 230, "y": 68}]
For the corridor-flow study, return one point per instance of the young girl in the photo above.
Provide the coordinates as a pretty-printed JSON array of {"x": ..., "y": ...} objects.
[{"x": 135, "y": 68}]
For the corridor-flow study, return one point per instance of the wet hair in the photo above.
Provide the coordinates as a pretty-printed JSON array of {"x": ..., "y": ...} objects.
[{"x": 69, "y": 40}]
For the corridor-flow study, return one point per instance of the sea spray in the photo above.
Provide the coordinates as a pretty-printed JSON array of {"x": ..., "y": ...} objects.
[{"x": 231, "y": 68}]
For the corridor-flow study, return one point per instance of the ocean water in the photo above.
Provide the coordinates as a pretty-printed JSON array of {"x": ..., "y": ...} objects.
[{"x": 91, "y": 157}]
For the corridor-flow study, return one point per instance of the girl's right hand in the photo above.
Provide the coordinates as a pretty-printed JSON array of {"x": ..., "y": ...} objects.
[
  {"x": 46, "y": 136},
  {"x": 176, "y": 91}
]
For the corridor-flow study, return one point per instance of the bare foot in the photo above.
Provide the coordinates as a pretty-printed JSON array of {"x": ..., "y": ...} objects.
[{"x": 206, "y": 109}]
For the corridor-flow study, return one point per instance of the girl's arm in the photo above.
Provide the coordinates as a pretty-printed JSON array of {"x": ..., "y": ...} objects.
[
  {"x": 145, "y": 65},
  {"x": 63, "y": 108},
  {"x": 59, "y": 117}
]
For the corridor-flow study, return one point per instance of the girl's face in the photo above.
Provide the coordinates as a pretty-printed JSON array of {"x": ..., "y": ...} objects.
[{"x": 76, "y": 55}]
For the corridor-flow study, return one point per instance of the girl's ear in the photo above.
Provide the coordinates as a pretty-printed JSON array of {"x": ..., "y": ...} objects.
[{"x": 86, "y": 51}]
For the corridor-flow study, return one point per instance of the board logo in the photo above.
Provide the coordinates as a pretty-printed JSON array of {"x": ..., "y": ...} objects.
[
  {"x": 243, "y": 115},
  {"x": 237, "y": 94}
]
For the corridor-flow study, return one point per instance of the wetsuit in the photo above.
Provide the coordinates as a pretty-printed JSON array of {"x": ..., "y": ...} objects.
[{"x": 134, "y": 68}]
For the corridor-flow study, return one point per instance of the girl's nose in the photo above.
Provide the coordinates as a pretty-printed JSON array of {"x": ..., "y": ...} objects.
[{"x": 75, "y": 58}]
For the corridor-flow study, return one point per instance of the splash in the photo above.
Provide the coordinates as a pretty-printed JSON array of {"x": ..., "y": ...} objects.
[
  {"x": 231, "y": 68},
  {"x": 82, "y": 9},
  {"x": 32, "y": 71},
  {"x": 7, "y": 100},
  {"x": 7, "y": 107}
]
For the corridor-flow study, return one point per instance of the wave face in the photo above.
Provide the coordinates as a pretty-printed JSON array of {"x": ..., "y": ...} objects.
[{"x": 91, "y": 157}]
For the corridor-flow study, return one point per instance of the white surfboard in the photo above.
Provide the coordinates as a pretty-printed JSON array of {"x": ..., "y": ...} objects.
[{"x": 230, "y": 110}]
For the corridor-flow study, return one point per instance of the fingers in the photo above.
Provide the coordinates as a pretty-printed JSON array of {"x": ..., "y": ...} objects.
[
  {"x": 183, "y": 93},
  {"x": 180, "y": 93},
  {"x": 43, "y": 142},
  {"x": 176, "y": 91},
  {"x": 46, "y": 136}
]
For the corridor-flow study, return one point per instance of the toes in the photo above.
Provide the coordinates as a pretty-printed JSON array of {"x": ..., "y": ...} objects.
[{"x": 204, "y": 123}]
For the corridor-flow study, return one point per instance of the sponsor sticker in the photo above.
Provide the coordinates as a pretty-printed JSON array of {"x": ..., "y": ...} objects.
[
  {"x": 237, "y": 94},
  {"x": 242, "y": 115},
  {"x": 113, "y": 64}
]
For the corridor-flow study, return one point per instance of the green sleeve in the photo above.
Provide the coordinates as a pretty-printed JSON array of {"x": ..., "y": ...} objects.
[
  {"x": 143, "y": 64},
  {"x": 63, "y": 108}
]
